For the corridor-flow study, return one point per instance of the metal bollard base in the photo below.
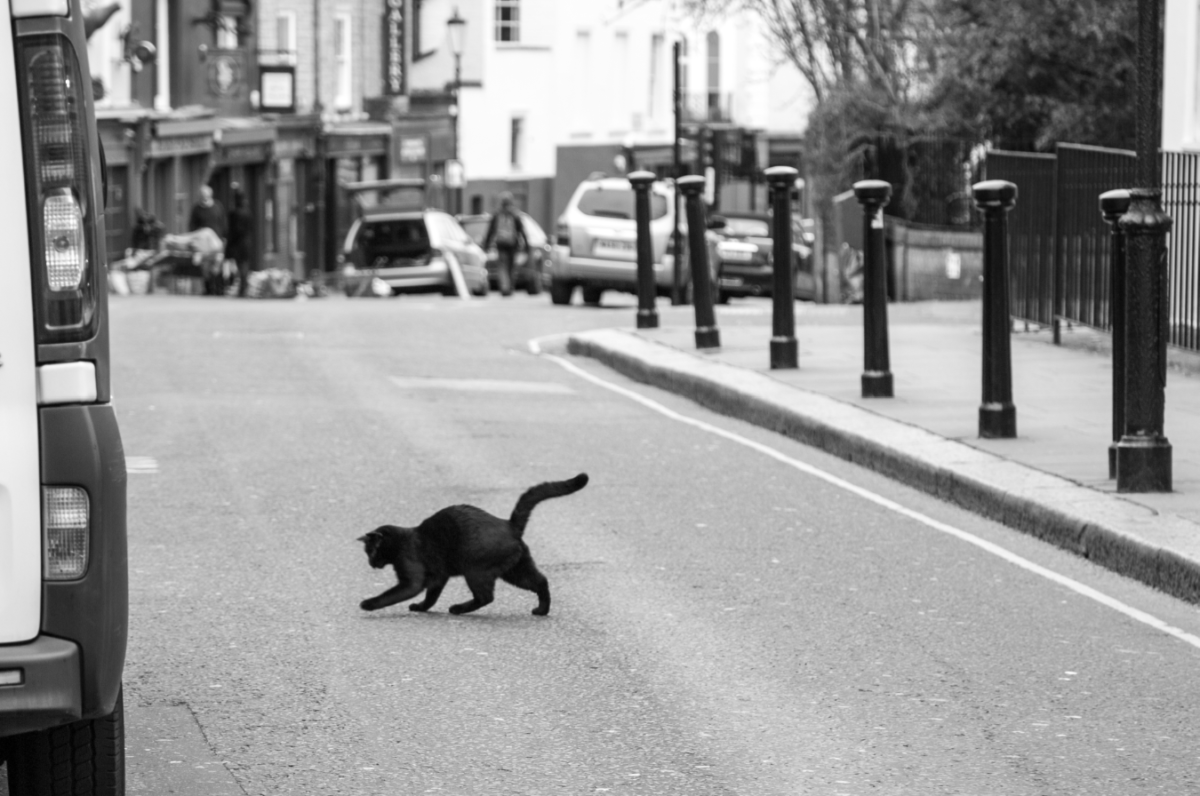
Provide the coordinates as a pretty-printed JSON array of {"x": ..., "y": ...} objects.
[
  {"x": 784, "y": 353},
  {"x": 877, "y": 384},
  {"x": 708, "y": 337},
  {"x": 1143, "y": 464},
  {"x": 998, "y": 421},
  {"x": 1112, "y": 460},
  {"x": 647, "y": 319}
]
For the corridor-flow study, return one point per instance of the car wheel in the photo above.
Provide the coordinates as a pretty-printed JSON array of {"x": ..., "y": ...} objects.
[
  {"x": 722, "y": 297},
  {"x": 85, "y": 757},
  {"x": 591, "y": 295},
  {"x": 534, "y": 286},
  {"x": 481, "y": 290},
  {"x": 560, "y": 292}
]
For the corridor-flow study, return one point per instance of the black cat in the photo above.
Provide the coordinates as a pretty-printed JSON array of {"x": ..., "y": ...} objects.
[{"x": 467, "y": 541}]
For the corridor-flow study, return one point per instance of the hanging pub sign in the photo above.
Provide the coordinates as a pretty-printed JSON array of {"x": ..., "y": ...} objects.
[{"x": 395, "y": 75}]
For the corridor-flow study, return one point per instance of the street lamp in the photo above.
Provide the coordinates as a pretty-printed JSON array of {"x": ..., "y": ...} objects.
[{"x": 455, "y": 29}]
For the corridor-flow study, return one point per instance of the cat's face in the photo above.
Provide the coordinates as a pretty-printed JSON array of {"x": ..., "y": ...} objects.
[{"x": 380, "y": 547}]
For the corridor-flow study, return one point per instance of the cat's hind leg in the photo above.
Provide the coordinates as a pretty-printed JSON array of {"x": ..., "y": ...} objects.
[
  {"x": 432, "y": 591},
  {"x": 525, "y": 575},
  {"x": 482, "y": 588}
]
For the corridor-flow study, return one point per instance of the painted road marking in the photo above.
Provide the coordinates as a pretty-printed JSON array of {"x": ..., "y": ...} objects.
[
  {"x": 880, "y": 500},
  {"x": 483, "y": 385},
  {"x": 140, "y": 465}
]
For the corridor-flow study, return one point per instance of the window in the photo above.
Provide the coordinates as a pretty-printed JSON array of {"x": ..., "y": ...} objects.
[
  {"x": 654, "y": 106},
  {"x": 285, "y": 37},
  {"x": 517, "y": 142},
  {"x": 344, "y": 98},
  {"x": 508, "y": 20},
  {"x": 582, "y": 103},
  {"x": 683, "y": 66},
  {"x": 714, "y": 71},
  {"x": 617, "y": 203},
  {"x": 227, "y": 33},
  {"x": 619, "y": 87}
]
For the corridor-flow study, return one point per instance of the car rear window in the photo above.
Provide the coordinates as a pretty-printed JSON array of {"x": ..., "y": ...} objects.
[
  {"x": 476, "y": 228},
  {"x": 393, "y": 238},
  {"x": 748, "y": 227},
  {"x": 617, "y": 203}
]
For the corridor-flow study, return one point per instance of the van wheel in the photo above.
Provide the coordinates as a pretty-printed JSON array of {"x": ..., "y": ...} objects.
[
  {"x": 85, "y": 758},
  {"x": 591, "y": 296},
  {"x": 534, "y": 286},
  {"x": 560, "y": 292}
]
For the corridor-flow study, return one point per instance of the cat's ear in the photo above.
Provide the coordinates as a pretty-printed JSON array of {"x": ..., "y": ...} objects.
[{"x": 364, "y": 538}]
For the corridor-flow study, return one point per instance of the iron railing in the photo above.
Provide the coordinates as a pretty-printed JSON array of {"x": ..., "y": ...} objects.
[
  {"x": 1181, "y": 201},
  {"x": 1030, "y": 231},
  {"x": 1060, "y": 246},
  {"x": 931, "y": 177},
  {"x": 1083, "y": 239}
]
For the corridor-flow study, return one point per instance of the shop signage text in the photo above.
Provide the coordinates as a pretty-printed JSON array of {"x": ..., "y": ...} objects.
[{"x": 395, "y": 79}]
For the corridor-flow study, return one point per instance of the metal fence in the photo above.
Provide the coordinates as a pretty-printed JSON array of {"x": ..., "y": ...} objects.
[
  {"x": 1083, "y": 239},
  {"x": 1181, "y": 201},
  {"x": 1030, "y": 231},
  {"x": 1061, "y": 248}
]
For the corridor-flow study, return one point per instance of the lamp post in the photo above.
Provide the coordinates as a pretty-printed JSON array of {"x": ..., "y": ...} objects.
[{"x": 455, "y": 29}]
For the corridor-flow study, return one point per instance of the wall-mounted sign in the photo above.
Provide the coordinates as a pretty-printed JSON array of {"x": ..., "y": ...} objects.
[
  {"x": 395, "y": 75},
  {"x": 226, "y": 72},
  {"x": 277, "y": 89},
  {"x": 413, "y": 149}
]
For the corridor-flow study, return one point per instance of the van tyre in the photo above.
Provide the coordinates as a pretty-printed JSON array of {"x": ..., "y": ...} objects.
[
  {"x": 86, "y": 758},
  {"x": 560, "y": 292},
  {"x": 591, "y": 296},
  {"x": 534, "y": 285}
]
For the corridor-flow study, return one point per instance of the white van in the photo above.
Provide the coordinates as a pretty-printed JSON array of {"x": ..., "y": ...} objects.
[{"x": 63, "y": 573}]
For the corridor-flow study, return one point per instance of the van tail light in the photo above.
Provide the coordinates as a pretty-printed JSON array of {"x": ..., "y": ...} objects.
[
  {"x": 66, "y": 514},
  {"x": 562, "y": 234},
  {"x": 59, "y": 188}
]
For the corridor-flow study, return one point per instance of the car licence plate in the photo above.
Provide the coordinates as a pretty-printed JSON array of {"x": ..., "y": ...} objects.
[
  {"x": 624, "y": 249},
  {"x": 731, "y": 281}
]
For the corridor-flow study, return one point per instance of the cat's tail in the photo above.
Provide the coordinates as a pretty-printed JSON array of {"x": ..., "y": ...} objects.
[{"x": 535, "y": 495}]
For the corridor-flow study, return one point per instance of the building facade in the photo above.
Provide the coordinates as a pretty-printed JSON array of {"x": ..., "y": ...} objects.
[{"x": 1181, "y": 76}]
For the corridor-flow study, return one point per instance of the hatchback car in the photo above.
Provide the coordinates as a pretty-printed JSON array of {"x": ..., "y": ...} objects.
[
  {"x": 411, "y": 251},
  {"x": 596, "y": 241},
  {"x": 530, "y": 266},
  {"x": 745, "y": 257}
]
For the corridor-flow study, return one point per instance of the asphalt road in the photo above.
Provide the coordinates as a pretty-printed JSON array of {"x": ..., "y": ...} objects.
[{"x": 724, "y": 621}]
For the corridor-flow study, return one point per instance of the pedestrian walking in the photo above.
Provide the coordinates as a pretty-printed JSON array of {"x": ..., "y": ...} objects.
[
  {"x": 506, "y": 234},
  {"x": 237, "y": 248},
  {"x": 208, "y": 213}
]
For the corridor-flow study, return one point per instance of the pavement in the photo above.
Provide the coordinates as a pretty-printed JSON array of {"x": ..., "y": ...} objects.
[{"x": 1051, "y": 481}]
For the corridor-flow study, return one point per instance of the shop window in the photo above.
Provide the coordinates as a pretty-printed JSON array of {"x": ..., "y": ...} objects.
[
  {"x": 344, "y": 98},
  {"x": 508, "y": 20}
]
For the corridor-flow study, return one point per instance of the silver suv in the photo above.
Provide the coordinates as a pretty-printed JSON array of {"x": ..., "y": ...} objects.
[{"x": 596, "y": 241}]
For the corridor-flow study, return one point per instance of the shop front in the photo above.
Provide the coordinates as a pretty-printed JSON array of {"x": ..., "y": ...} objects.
[
  {"x": 298, "y": 199},
  {"x": 121, "y": 137},
  {"x": 351, "y": 152},
  {"x": 242, "y": 159},
  {"x": 178, "y": 157}
]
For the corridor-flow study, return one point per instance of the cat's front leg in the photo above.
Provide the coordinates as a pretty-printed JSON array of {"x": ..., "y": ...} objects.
[
  {"x": 397, "y": 594},
  {"x": 432, "y": 592}
]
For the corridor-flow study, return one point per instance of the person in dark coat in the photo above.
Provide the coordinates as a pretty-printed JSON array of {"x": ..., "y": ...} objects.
[
  {"x": 208, "y": 212},
  {"x": 147, "y": 231},
  {"x": 237, "y": 248},
  {"x": 506, "y": 232}
]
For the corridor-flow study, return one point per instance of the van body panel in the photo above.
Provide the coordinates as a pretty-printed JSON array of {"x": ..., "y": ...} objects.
[{"x": 20, "y": 488}]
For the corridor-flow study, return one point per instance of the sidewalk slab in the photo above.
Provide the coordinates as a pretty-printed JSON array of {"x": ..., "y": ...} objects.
[{"x": 926, "y": 436}]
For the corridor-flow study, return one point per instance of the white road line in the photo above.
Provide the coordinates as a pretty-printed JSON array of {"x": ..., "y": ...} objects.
[
  {"x": 140, "y": 465},
  {"x": 866, "y": 494},
  {"x": 483, "y": 385}
]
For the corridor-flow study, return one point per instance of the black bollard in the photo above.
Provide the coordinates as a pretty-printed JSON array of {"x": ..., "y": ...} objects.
[
  {"x": 1143, "y": 453},
  {"x": 873, "y": 195},
  {"x": 997, "y": 415},
  {"x": 1113, "y": 205},
  {"x": 784, "y": 351},
  {"x": 647, "y": 315},
  {"x": 707, "y": 334}
]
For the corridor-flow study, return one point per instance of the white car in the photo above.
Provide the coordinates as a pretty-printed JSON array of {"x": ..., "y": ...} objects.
[{"x": 64, "y": 592}]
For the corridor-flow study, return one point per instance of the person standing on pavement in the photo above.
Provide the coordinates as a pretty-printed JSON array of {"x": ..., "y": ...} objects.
[
  {"x": 237, "y": 248},
  {"x": 209, "y": 213},
  {"x": 506, "y": 233}
]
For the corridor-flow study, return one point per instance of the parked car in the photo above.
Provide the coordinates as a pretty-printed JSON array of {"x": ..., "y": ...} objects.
[
  {"x": 529, "y": 266},
  {"x": 745, "y": 257},
  {"x": 411, "y": 251},
  {"x": 596, "y": 241},
  {"x": 64, "y": 592}
]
